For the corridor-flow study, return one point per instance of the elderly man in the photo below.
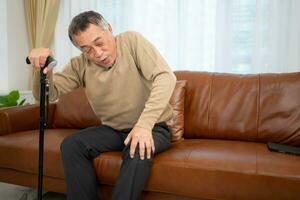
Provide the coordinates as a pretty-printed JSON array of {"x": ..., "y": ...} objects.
[{"x": 128, "y": 85}]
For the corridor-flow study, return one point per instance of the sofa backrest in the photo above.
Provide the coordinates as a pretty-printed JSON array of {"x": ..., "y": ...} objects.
[
  {"x": 74, "y": 111},
  {"x": 261, "y": 108}
]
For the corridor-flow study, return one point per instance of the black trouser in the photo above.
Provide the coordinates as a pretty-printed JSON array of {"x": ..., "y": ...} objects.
[{"x": 81, "y": 147}]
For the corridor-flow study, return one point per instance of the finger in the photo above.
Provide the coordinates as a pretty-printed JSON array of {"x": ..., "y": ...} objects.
[
  {"x": 32, "y": 62},
  {"x": 128, "y": 138},
  {"x": 142, "y": 149},
  {"x": 132, "y": 147},
  {"x": 36, "y": 62},
  {"x": 148, "y": 147},
  {"x": 152, "y": 145},
  {"x": 46, "y": 70},
  {"x": 42, "y": 60}
]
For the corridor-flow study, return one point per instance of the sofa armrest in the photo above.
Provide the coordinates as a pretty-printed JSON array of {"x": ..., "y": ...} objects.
[{"x": 22, "y": 118}]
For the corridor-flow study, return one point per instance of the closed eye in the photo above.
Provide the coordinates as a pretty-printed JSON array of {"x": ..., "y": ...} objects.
[{"x": 100, "y": 44}]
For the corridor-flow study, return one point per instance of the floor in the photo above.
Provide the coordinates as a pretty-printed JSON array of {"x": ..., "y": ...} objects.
[{"x": 15, "y": 192}]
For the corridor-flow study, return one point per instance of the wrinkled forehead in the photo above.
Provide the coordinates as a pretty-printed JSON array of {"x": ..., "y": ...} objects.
[{"x": 91, "y": 34}]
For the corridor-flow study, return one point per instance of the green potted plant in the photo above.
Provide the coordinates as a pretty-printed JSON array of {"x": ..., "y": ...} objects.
[{"x": 11, "y": 99}]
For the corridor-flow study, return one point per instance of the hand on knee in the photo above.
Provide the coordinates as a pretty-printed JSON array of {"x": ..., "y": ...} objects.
[{"x": 140, "y": 138}]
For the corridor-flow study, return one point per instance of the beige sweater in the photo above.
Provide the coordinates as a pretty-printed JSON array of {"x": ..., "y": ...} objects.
[{"x": 134, "y": 91}]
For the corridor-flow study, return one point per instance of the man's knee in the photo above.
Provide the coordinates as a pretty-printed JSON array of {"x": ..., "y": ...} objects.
[
  {"x": 69, "y": 145},
  {"x": 136, "y": 158}
]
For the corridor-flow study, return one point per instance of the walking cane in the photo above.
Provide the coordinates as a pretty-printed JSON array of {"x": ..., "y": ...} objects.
[{"x": 50, "y": 63}]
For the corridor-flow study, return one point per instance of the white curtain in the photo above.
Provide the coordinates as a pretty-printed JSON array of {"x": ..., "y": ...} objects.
[{"x": 235, "y": 36}]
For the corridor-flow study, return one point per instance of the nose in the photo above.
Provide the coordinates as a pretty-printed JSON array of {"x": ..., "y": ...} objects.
[{"x": 98, "y": 51}]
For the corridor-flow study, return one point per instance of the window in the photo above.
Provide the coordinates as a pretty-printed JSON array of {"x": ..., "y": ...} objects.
[{"x": 235, "y": 36}]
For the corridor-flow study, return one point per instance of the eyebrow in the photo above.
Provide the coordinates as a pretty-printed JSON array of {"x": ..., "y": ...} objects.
[{"x": 97, "y": 38}]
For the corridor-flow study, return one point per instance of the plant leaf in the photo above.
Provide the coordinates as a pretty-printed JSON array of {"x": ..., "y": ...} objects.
[
  {"x": 13, "y": 97},
  {"x": 3, "y": 100},
  {"x": 22, "y": 102}
]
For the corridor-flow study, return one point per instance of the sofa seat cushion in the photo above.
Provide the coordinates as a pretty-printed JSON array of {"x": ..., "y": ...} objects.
[
  {"x": 215, "y": 169},
  {"x": 19, "y": 151}
]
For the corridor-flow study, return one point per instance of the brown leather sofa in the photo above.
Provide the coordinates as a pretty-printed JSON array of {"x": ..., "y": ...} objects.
[{"x": 228, "y": 119}]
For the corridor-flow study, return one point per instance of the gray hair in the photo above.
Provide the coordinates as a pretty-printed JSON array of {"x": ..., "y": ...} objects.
[{"x": 81, "y": 22}]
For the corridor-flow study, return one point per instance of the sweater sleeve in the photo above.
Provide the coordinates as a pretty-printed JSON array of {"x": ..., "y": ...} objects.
[
  {"x": 153, "y": 68},
  {"x": 70, "y": 78}
]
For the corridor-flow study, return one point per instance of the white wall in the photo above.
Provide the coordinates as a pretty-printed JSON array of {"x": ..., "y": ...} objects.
[
  {"x": 18, "y": 46},
  {"x": 15, "y": 46},
  {"x": 3, "y": 47}
]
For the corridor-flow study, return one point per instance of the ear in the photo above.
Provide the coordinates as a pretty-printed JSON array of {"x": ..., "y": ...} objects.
[{"x": 109, "y": 28}]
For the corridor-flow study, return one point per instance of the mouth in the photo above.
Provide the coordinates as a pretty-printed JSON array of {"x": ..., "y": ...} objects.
[{"x": 104, "y": 62}]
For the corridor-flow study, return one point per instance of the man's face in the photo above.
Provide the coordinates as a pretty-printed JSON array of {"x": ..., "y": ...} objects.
[{"x": 97, "y": 44}]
